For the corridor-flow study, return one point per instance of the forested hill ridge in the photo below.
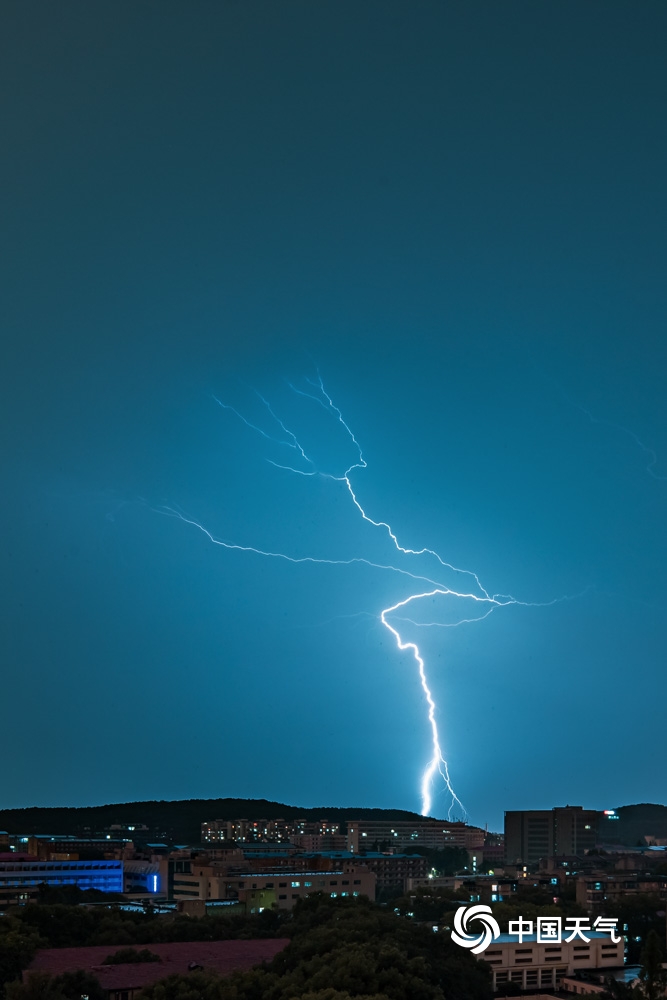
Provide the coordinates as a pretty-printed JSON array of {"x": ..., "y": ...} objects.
[
  {"x": 177, "y": 822},
  {"x": 632, "y": 825}
]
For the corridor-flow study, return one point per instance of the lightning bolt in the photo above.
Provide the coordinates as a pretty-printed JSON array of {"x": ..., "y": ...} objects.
[
  {"x": 650, "y": 455},
  {"x": 389, "y": 617}
]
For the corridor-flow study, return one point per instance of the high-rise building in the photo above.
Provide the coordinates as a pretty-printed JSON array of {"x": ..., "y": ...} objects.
[{"x": 543, "y": 833}]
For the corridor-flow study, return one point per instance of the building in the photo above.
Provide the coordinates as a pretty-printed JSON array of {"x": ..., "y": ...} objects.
[
  {"x": 249, "y": 831},
  {"x": 542, "y": 833},
  {"x": 434, "y": 834},
  {"x": 529, "y": 965},
  {"x": 142, "y": 877},
  {"x": 259, "y": 890},
  {"x": 494, "y": 849},
  {"x": 20, "y": 878},
  {"x": 124, "y": 982},
  {"x": 66, "y": 848},
  {"x": 591, "y": 982},
  {"x": 450, "y": 882},
  {"x": 354, "y": 835},
  {"x": 478, "y": 888},
  {"x": 314, "y": 843},
  {"x": 283, "y": 889},
  {"x": 245, "y": 830},
  {"x": 391, "y": 870},
  {"x": 599, "y": 893}
]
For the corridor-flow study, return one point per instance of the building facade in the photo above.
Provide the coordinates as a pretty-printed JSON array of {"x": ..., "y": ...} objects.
[
  {"x": 529, "y": 965},
  {"x": 259, "y": 890},
  {"x": 598, "y": 893},
  {"x": 434, "y": 834},
  {"x": 249, "y": 831},
  {"x": 20, "y": 880},
  {"x": 542, "y": 833}
]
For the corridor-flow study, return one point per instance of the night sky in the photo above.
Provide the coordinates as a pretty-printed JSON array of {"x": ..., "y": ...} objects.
[{"x": 456, "y": 212}]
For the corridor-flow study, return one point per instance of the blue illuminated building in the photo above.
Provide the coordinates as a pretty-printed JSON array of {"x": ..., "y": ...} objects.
[
  {"x": 142, "y": 877},
  {"x": 20, "y": 879}
]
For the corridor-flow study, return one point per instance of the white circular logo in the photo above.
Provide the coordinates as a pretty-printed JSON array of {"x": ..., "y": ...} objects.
[{"x": 463, "y": 916}]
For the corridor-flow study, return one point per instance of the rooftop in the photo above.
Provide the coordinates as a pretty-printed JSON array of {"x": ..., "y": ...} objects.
[
  {"x": 283, "y": 874},
  {"x": 222, "y": 957}
]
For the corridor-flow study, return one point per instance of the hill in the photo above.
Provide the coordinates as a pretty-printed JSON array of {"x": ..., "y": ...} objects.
[
  {"x": 177, "y": 822},
  {"x": 634, "y": 823}
]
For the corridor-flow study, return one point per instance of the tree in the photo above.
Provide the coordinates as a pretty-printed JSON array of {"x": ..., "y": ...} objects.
[
  {"x": 653, "y": 977},
  {"x": 38, "y": 986},
  {"x": 68, "y": 986},
  {"x": 18, "y": 945},
  {"x": 125, "y": 955},
  {"x": 331, "y": 994},
  {"x": 431, "y": 904},
  {"x": 642, "y": 913},
  {"x": 192, "y": 986},
  {"x": 347, "y": 948}
]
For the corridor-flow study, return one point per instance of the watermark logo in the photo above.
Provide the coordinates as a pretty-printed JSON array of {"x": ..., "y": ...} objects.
[
  {"x": 547, "y": 930},
  {"x": 480, "y": 914}
]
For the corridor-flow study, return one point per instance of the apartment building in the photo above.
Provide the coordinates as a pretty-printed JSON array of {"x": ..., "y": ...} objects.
[
  {"x": 249, "y": 831},
  {"x": 529, "y": 965},
  {"x": 434, "y": 834},
  {"x": 599, "y": 892}
]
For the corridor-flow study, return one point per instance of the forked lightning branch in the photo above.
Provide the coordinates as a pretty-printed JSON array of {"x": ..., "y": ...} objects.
[{"x": 478, "y": 599}]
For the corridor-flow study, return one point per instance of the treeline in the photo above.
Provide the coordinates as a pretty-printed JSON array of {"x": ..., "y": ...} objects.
[
  {"x": 62, "y": 926},
  {"x": 26, "y": 929},
  {"x": 340, "y": 949},
  {"x": 633, "y": 823},
  {"x": 178, "y": 822}
]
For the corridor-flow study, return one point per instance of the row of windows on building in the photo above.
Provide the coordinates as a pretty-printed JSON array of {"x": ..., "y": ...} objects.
[
  {"x": 297, "y": 884},
  {"x": 60, "y": 866},
  {"x": 295, "y": 895},
  {"x": 608, "y": 950},
  {"x": 531, "y": 976},
  {"x": 98, "y": 881}
]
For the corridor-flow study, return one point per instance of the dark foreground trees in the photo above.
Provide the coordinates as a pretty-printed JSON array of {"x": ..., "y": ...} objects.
[
  {"x": 652, "y": 977},
  {"x": 345, "y": 948},
  {"x": 68, "y": 986},
  {"x": 340, "y": 949}
]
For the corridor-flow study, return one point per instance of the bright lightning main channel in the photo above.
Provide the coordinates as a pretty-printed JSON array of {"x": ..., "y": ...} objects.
[{"x": 481, "y": 602}]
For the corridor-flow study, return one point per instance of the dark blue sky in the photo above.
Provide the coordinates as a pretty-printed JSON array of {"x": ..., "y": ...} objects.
[{"x": 458, "y": 212}]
